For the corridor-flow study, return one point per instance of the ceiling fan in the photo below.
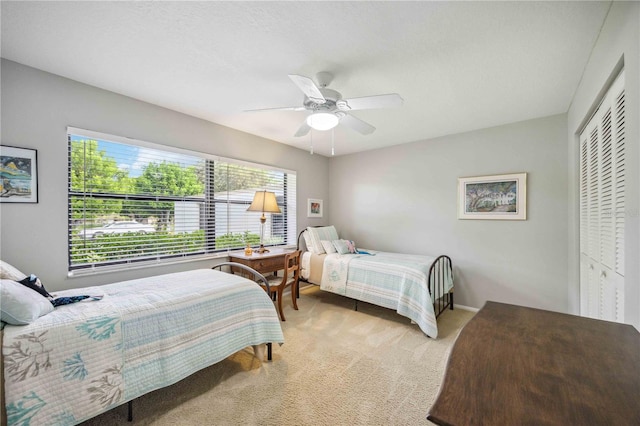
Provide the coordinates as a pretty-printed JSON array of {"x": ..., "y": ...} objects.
[{"x": 328, "y": 109}]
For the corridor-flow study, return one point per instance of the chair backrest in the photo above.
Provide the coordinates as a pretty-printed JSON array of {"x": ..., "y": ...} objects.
[{"x": 292, "y": 265}]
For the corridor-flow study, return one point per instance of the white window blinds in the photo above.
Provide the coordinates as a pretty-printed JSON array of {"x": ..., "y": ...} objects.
[
  {"x": 602, "y": 207},
  {"x": 135, "y": 202}
]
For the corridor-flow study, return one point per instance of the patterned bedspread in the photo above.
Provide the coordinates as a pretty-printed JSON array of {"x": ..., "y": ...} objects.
[
  {"x": 391, "y": 280},
  {"x": 334, "y": 272},
  {"x": 85, "y": 358}
]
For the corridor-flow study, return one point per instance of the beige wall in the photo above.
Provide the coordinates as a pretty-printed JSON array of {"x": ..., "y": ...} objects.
[
  {"x": 404, "y": 199},
  {"x": 36, "y": 109}
]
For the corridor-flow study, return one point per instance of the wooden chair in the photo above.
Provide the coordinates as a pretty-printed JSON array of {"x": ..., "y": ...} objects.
[{"x": 290, "y": 278}]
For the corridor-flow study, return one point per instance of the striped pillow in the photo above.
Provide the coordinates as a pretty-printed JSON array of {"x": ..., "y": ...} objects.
[
  {"x": 321, "y": 233},
  {"x": 307, "y": 242}
]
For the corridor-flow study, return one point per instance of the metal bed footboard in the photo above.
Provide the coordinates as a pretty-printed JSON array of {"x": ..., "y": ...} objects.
[{"x": 437, "y": 273}]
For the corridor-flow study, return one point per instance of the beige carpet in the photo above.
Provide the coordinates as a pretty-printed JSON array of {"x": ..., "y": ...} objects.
[{"x": 337, "y": 367}]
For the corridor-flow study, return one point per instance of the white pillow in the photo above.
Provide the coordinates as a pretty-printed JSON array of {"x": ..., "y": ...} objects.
[
  {"x": 8, "y": 272},
  {"x": 21, "y": 305},
  {"x": 328, "y": 246},
  {"x": 308, "y": 242},
  {"x": 321, "y": 233}
]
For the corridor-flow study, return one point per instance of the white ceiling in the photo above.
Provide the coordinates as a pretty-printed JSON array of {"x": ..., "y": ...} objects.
[{"x": 459, "y": 66}]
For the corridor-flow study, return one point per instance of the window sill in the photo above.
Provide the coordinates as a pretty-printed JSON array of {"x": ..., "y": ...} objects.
[{"x": 97, "y": 270}]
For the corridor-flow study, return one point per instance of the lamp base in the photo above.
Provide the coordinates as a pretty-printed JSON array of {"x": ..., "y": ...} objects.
[{"x": 262, "y": 249}]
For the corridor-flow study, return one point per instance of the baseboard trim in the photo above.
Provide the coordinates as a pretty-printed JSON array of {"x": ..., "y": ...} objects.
[{"x": 465, "y": 308}]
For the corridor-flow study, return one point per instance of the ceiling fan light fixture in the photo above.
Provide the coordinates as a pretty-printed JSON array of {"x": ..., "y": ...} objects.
[{"x": 322, "y": 120}]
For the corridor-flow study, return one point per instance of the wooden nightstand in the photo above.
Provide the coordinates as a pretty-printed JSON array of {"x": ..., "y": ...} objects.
[{"x": 264, "y": 263}]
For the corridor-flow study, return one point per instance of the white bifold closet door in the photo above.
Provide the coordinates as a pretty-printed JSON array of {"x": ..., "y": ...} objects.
[{"x": 602, "y": 208}]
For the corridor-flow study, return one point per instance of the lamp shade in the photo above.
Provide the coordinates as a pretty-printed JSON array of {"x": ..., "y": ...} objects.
[
  {"x": 264, "y": 202},
  {"x": 322, "y": 120}
]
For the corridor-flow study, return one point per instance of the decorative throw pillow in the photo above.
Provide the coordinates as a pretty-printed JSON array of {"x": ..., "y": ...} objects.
[
  {"x": 8, "y": 272},
  {"x": 34, "y": 283},
  {"x": 341, "y": 246},
  {"x": 351, "y": 245},
  {"x": 328, "y": 246},
  {"x": 321, "y": 233},
  {"x": 21, "y": 305}
]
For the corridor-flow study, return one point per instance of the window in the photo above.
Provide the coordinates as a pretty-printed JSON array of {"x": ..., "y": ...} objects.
[{"x": 132, "y": 201}]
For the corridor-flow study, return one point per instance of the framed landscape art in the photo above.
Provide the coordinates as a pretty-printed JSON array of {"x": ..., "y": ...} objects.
[
  {"x": 493, "y": 197},
  {"x": 18, "y": 175}
]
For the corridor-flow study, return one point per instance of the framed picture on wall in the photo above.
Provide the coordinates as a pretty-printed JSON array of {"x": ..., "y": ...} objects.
[
  {"x": 493, "y": 197},
  {"x": 18, "y": 175},
  {"x": 314, "y": 207}
]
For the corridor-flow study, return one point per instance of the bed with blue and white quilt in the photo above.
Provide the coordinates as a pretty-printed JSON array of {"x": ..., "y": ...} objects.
[
  {"x": 415, "y": 286},
  {"x": 85, "y": 358}
]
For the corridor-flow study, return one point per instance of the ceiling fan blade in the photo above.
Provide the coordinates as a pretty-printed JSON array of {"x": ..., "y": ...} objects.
[
  {"x": 308, "y": 87},
  {"x": 303, "y": 130},
  {"x": 370, "y": 102},
  {"x": 300, "y": 108},
  {"x": 356, "y": 124}
]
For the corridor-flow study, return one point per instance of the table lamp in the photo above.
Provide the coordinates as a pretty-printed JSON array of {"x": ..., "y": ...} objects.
[{"x": 264, "y": 202}]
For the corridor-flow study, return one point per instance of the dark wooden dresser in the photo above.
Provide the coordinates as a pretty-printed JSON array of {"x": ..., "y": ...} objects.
[{"x": 513, "y": 365}]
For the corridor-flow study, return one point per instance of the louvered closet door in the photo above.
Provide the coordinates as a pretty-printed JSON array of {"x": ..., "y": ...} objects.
[{"x": 602, "y": 208}]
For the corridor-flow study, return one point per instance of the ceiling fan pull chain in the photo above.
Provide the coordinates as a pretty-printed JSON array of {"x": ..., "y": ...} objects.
[
  {"x": 333, "y": 134},
  {"x": 311, "y": 139}
]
